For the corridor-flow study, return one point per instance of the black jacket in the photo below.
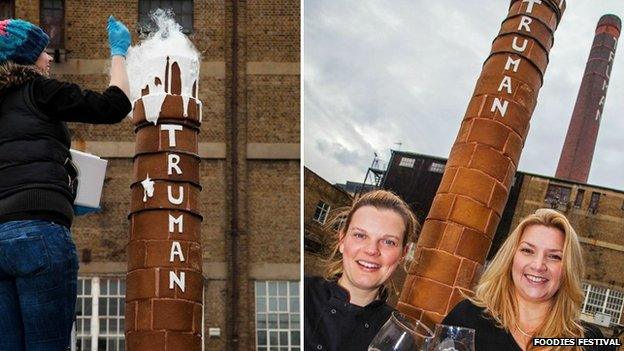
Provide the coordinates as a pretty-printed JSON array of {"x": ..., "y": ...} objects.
[
  {"x": 331, "y": 323},
  {"x": 489, "y": 337},
  {"x": 37, "y": 177}
]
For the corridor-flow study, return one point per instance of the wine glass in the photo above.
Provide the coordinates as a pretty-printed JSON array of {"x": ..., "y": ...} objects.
[
  {"x": 452, "y": 338},
  {"x": 401, "y": 333}
]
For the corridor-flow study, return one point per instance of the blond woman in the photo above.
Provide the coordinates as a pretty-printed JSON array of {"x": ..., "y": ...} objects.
[{"x": 532, "y": 288}]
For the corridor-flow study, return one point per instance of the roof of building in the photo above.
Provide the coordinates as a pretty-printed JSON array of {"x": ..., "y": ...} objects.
[{"x": 442, "y": 159}]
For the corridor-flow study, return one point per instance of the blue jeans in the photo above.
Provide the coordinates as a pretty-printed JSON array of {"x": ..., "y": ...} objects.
[{"x": 38, "y": 277}]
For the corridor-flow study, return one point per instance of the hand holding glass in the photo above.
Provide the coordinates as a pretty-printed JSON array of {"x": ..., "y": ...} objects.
[
  {"x": 451, "y": 338},
  {"x": 401, "y": 333}
]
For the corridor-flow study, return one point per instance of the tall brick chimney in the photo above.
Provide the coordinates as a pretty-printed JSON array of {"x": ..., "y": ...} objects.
[
  {"x": 458, "y": 231},
  {"x": 580, "y": 142}
]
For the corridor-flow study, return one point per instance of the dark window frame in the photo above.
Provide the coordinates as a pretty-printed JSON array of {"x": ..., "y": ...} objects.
[
  {"x": 321, "y": 212},
  {"x": 437, "y": 167},
  {"x": 594, "y": 202},
  {"x": 145, "y": 7},
  {"x": 11, "y": 4},
  {"x": 61, "y": 44},
  {"x": 339, "y": 223},
  {"x": 580, "y": 195},
  {"x": 408, "y": 162},
  {"x": 555, "y": 195}
]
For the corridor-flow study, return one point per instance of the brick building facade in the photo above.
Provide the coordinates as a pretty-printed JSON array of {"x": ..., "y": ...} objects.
[
  {"x": 597, "y": 215},
  {"x": 320, "y": 200},
  {"x": 249, "y": 145}
]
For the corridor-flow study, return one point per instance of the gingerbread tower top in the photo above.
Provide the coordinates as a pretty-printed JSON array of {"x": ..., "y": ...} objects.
[{"x": 165, "y": 64}]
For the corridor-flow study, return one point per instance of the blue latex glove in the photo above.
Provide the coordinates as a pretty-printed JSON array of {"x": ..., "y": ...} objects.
[{"x": 118, "y": 37}]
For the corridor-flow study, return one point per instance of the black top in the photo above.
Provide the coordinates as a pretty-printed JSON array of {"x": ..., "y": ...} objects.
[
  {"x": 331, "y": 323},
  {"x": 68, "y": 102},
  {"x": 38, "y": 177},
  {"x": 489, "y": 337}
]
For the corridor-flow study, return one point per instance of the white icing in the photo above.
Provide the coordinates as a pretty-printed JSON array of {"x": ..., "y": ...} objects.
[
  {"x": 153, "y": 105},
  {"x": 173, "y": 221},
  {"x": 179, "y": 281},
  {"x": 175, "y": 201},
  {"x": 176, "y": 250},
  {"x": 153, "y": 59},
  {"x": 201, "y": 109},
  {"x": 148, "y": 188},
  {"x": 189, "y": 72},
  {"x": 185, "y": 100},
  {"x": 156, "y": 70}
]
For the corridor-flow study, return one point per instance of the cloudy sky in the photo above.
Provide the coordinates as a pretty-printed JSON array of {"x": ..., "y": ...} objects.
[{"x": 378, "y": 73}]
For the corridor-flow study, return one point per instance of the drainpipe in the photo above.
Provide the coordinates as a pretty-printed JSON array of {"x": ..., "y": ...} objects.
[{"x": 234, "y": 226}]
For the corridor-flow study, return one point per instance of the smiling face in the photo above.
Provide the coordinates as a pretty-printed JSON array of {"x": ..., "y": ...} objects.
[
  {"x": 43, "y": 63},
  {"x": 371, "y": 248},
  {"x": 537, "y": 264}
]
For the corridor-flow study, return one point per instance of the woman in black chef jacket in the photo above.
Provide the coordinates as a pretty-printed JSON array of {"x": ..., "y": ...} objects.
[{"x": 345, "y": 309}]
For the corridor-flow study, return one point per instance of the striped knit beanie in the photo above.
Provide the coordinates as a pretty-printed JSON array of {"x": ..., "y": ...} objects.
[{"x": 21, "y": 42}]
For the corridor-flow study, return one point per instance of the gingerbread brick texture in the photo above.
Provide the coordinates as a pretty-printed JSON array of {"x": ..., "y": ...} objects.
[
  {"x": 469, "y": 203},
  {"x": 580, "y": 142},
  {"x": 164, "y": 280},
  {"x": 249, "y": 81}
]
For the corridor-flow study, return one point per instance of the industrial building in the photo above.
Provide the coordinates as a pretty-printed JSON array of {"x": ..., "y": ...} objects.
[{"x": 320, "y": 201}]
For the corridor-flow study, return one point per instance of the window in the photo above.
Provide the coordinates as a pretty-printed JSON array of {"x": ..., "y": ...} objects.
[
  {"x": 594, "y": 202},
  {"x": 436, "y": 167},
  {"x": 595, "y": 299},
  {"x": 182, "y": 10},
  {"x": 578, "y": 202},
  {"x": 53, "y": 22},
  {"x": 277, "y": 316},
  {"x": 407, "y": 162},
  {"x": 613, "y": 305},
  {"x": 100, "y": 314},
  {"x": 7, "y": 9},
  {"x": 339, "y": 222},
  {"x": 557, "y": 195},
  {"x": 603, "y": 300},
  {"x": 320, "y": 214},
  {"x": 84, "y": 314}
]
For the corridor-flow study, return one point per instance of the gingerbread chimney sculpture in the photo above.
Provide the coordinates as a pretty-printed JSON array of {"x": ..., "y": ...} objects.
[
  {"x": 458, "y": 231},
  {"x": 580, "y": 142},
  {"x": 164, "y": 280}
]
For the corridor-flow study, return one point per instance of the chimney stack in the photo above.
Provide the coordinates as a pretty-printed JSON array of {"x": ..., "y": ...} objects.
[
  {"x": 578, "y": 148},
  {"x": 469, "y": 203}
]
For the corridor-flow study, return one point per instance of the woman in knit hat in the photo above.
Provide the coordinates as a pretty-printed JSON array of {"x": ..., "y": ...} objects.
[{"x": 38, "y": 262}]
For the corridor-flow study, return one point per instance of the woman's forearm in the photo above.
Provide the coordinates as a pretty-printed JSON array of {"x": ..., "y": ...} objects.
[{"x": 119, "y": 74}]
